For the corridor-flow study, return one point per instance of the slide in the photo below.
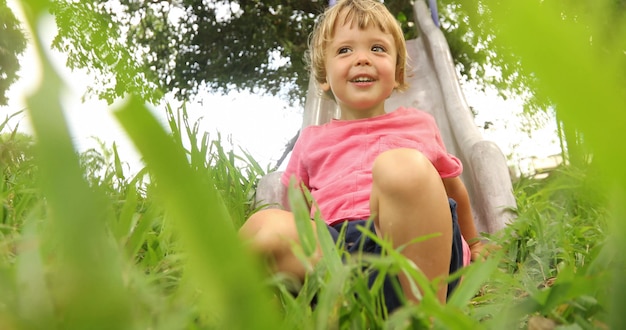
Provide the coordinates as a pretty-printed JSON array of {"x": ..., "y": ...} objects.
[{"x": 434, "y": 88}]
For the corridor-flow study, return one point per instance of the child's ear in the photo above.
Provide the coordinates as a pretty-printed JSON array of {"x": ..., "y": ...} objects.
[
  {"x": 325, "y": 86},
  {"x": 399, "y": 76},
  {"x": 400, "y": 79}
]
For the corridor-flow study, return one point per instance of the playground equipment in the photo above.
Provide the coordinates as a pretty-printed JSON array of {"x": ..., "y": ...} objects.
[{"x": 434, "y": 87}]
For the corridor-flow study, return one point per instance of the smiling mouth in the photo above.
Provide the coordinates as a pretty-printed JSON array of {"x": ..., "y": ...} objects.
[{"x": 362, "y": 80}]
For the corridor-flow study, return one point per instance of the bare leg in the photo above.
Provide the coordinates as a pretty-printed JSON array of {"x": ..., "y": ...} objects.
[
  {"x": 410, "y": 201},
  {"x": 272, "y": 233}
]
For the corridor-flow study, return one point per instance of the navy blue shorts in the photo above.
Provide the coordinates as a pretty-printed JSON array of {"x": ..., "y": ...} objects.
[{"x": 353, "y": 243}]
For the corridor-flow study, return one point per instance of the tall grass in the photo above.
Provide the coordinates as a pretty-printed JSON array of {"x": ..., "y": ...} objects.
[
  {"x": 575, "y": 50},
  {"x": 86, "y": 245},
  {"x": 549, "y": 263},
  {"x": 560, "y": 230},
  {"x": 104, "y": 253}
]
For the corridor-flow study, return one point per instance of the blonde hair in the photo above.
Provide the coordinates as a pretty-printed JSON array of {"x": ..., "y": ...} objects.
[{"x": 363, "y": 13}]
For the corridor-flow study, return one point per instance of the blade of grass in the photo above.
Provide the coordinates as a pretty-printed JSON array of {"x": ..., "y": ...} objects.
[
  {"x": 302, "y": 217},
  {"x": 88, "y": 280},
  {"x": 577, "y": 57},
  {"x": 36, "y": 306},
  {"x": 474, "y": 277},
  {"x": 231, "y": 287}
]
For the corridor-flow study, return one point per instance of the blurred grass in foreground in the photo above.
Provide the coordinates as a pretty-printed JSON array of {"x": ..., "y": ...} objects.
[
  {"x": 576, "y": 51},
  {"x": 70, "y": 268}
]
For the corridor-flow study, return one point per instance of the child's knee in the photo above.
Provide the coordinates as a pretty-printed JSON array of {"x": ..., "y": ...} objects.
[
  {"x": 254, "y": 223},
  {"x": 253, "y": 229},
  {"x": 267, "y": 230},
  {"x": 402, "y": 170}
]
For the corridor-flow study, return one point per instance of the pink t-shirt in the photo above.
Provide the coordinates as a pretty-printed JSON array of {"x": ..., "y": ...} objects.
[{"x": 334, "y": 161}]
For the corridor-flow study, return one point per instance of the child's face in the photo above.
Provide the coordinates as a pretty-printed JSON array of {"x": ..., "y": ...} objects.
[{"x": 361, "y": 70}]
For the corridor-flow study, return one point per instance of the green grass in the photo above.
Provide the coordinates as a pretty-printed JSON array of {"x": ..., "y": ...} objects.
[
  {"x": 153, "y": 256},
  {"x": 86, "y": 245}
]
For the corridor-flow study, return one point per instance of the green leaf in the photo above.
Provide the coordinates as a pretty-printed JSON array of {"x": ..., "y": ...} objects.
[
  {"x": 229, "y": 284},
  {"x": 302, "y": 217},
  {"x": 474, "y": 276}
]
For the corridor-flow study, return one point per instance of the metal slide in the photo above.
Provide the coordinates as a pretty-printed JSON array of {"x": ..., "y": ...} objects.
[{"x": 434, "y": 88}]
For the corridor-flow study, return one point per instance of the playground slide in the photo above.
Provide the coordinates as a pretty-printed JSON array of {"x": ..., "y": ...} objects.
[{"x": 435, "y": 89}]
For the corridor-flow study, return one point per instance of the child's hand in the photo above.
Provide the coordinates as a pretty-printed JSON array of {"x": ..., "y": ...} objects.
[
  {"x": 481, "y": 251},
  {"x": 478, "y": 251}
]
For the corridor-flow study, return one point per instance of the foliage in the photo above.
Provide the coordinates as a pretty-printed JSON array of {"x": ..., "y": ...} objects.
[
  {"x": 557, "y": 45},
  {"x": 149, "y": 48},
  {"x": 554, "y": 244},
  {"x": 12, "y": 45},
  {"x": 235, "y": 176},
  {"x": 92, "y": 39},
  {"x": 260, "y": 45},
  {"x": 472, "y": 38},
  {"x": 555, "y": 255},
  {"x": 17, "y": 174},
  {"x": 580, "y": 27},
  {"x": 140, "y": 229},
  {"x": 97, "y": 249},
  {"x": 190, "y": 46}
]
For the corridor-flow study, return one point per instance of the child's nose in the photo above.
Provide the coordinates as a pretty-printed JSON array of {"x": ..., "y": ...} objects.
[{"x": 362, "y": 59}]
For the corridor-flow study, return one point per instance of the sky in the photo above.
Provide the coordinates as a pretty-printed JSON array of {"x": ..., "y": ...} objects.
[{"x": 261, "y": 125}]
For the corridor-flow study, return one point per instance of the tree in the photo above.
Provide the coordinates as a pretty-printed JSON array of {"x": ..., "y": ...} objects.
[
  {"x": 188, "y": 46},
  {"x": 12, "y": 45},
  {"x": 90, "y": 33},
  {"x": 600, "y": 26}
]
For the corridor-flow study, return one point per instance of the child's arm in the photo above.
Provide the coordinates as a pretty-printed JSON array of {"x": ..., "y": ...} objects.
[{"x": 457, "y": 191}]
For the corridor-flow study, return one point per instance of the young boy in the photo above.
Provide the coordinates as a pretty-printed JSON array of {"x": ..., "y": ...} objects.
[{"x": 392, "y": 166}]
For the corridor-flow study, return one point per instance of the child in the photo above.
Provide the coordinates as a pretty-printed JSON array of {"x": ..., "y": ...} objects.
[{"x": 392, "y": 166}]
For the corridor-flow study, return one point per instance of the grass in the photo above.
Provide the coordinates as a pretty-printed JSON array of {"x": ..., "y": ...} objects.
[
  {"x": 86, "y": 245},
  {"x": 550, "y": 265},
  {"x": 553, "y": 261}
]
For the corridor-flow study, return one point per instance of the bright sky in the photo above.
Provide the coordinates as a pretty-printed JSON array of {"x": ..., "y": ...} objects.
[{"x": 260, "y": 125}]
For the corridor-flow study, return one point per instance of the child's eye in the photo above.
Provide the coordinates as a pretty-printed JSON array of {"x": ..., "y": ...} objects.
[
  {"x": 378, "y": 48},
  {"x": 343, "y": 50}
]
